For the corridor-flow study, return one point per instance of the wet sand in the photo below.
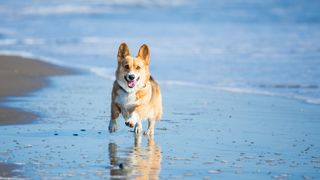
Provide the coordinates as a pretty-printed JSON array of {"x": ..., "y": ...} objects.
[
  {"x": 9, "y": 170},
  {"x": 204, "y": 134},
  {"x": 19, "y": 76}
]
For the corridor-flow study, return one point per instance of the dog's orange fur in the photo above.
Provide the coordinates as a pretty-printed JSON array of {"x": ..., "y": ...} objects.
[{"x": 143, "y": 101}]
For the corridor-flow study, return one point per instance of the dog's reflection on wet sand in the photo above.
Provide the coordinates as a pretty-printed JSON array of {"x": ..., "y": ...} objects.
[{"x": 138, "y": 163}]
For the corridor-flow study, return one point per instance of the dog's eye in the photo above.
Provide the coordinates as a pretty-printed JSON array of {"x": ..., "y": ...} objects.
[
  {"x": 138, "y": 67},
  {"x": 126, "y": 66}
]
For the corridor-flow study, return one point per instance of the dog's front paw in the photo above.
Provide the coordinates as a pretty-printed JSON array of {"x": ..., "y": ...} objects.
[
  {"x": 113, "y": 126},
  {"x": 132, "y": 120},
  {"x": 130, "y": 123}
]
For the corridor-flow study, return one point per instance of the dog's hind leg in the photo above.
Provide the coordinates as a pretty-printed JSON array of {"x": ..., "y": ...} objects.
[{"x": 150, "y": 129}]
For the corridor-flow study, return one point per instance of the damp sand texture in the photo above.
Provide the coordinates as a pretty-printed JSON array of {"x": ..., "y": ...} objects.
[{"x": 19, "y": 76}]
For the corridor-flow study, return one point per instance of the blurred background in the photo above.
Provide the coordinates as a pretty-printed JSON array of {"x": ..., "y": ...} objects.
[{"x": 262, "y": 47}]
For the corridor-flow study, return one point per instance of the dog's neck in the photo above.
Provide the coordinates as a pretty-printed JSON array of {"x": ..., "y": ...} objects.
[{"x": 128, "y": 90}]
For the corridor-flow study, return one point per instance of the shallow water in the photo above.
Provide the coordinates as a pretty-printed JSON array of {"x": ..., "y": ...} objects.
[
  {"x": 268, "y": 48},
  {"x": 229, "y": 136},
  {"x": 199, "y": 50}
]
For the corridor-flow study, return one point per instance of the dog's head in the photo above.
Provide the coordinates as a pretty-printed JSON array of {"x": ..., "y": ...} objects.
[{"x": 133, "y": 72}]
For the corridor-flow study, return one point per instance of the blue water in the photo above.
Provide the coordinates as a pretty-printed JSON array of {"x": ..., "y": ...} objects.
[
  {"x": 268, "y": 47},
  {"x": 241, "y": 46}
]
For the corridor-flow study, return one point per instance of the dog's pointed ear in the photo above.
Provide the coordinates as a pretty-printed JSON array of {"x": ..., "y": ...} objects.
[
  {"x": 123, "y": 52},
  {"x": 144, "y": 53}
]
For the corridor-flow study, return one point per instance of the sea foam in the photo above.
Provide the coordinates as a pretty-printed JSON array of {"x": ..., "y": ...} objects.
[{"x": 108, "y": 73}]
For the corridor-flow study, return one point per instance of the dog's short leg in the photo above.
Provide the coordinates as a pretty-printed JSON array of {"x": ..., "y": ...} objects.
[
  {"x": 138, "y": 127},
  {"x": 150, "y": 129},
  {"x": 115, "y": 112},
  {"x": 132, "y": 120},
  {"x": 113, "y": 126}
]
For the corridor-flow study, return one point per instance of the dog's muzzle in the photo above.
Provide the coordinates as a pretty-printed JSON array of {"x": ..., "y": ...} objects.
[{"x": 130, "y": 78}]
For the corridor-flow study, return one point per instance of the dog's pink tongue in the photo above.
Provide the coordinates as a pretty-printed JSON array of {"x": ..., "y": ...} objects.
[{"x": 131, "y": 84}]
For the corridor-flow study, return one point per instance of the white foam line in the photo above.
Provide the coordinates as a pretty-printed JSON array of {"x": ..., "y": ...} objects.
[
  {"x": 103, "y": 72},
  {"x": 229, "y": 89},
  {"x": 17, "y": 53},
  {"x": 92, "y": 8},
  {"x": 109, "y": 74},
  {"x": 64, "y": 9},
  {"x": 24, "y": 41},
  {"x": 32, "y": 56},
  {"x": 309, "y": 100},
  {"x": 6, "y": 42}
]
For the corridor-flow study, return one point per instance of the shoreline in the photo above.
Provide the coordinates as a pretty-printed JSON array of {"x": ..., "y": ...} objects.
[
  {"x": 228, "y": 135},
  {"x": 20, "y": 76},
  {"x": 9, "y": 171}
]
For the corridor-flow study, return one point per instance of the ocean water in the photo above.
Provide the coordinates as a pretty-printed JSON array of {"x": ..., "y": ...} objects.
[
  {"x": 199, "y": 50},
  {"x": 243, "y": 46}
]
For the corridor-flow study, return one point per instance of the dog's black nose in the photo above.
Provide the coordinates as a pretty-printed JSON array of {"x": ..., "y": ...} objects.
[{"x": 131, "y": 77}]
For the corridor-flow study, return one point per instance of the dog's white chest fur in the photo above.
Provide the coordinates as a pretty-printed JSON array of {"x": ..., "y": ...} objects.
[{"x": 125, "y": 100}]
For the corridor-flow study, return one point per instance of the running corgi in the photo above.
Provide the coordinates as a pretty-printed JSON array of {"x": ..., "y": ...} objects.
[{"x": 135, "y": 94}]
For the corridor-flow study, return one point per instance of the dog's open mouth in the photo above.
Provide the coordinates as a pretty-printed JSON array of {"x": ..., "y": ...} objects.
[{"x": 132, "y": 83}]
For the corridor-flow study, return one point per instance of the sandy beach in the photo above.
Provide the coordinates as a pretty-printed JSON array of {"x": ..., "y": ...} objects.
[
  {"x": 9, "y": 170},
  {"x": 214, "y": 134},
  {"x": 239, "y": 80},
  {"x": 20, "y": 76}
]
